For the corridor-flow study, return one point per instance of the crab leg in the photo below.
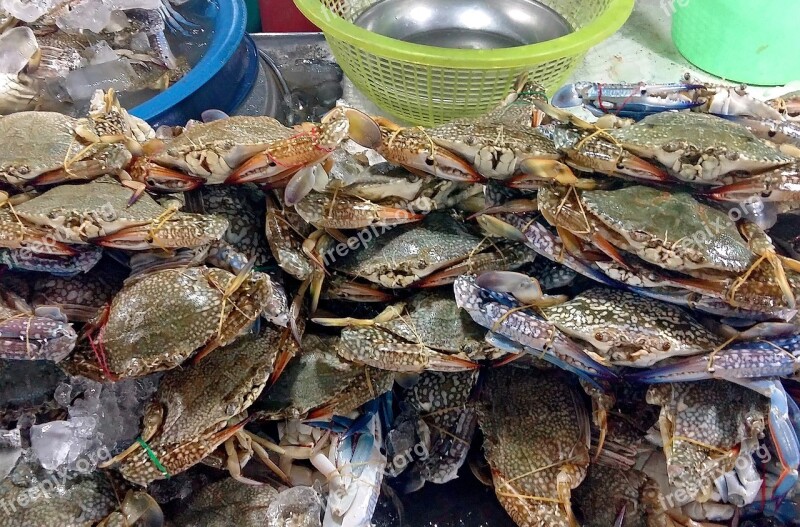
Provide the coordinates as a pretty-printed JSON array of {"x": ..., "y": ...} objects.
[
  {"x": 536, "y": 335},
  {"x": 743, "y": 360}
]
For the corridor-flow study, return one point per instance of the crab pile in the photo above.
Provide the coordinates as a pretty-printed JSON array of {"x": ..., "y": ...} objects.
[{"x": 598, "y": 321}]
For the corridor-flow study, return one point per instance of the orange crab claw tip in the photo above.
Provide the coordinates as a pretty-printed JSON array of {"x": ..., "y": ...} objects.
[
  {"x": 255, "y": 164},
  {"x": 165, "y": 179},
  {"x": 645, "y": 169},
  {"x": 323, "y": 411},
  {"x": 508, "y": 359},
  {"x": 398, "y": 215},
  {"x": 698, "y": 283},
  {"x": 453, "y": 363},
  {"x": 723, "y": 192},
  {"x": 363, "y": 129}
]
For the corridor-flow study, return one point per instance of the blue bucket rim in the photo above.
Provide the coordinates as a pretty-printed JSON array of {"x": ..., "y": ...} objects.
[{"x": 227, "y": 37}]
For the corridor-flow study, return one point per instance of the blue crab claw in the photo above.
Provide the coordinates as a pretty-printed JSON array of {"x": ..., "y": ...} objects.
[
  {"x": 537, "y": 336},
  {"x": 783, "y": 430},
  {"x": 742, "y": 360}
]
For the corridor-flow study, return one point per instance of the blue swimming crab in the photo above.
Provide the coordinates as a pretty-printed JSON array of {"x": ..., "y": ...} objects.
[
  {"x": 695, "y": 148},
  {"x": 758, "y": 366},
  {"x": 428, "y": 333},
  {"x": 677, "y": 233},
  {"x": 317, "y": 383},
  {"x": 33, "y": 334},
  {"x": 536, "y": 430},
  {"x": 99, "y": 213},
  {"x": 44, "y": 148},
  {"x": 161, "y": 318},
  {"x": 80, "y": 500},
  {"x": 430, "y": 253},
  {"x": 493, "y": 146},
  {"x": 244, "y": 149},
  {"x": 514, "y": 319},
  {"x": 198, "y": 408},
  {"x": 631, "y": 330}
]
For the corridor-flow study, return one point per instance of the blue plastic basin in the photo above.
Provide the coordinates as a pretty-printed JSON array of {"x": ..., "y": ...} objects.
[{"x": 220, "y": 80}]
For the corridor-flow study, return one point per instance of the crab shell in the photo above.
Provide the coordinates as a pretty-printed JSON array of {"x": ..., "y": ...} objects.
[
  {"x": 629, "y": 329},
  {"x": 159, "y": 320},
  {"x": 698, "y": 148},
  {"x": 43, "y": 148},
  {"x": 536, "y": 430},
  {"x": 100, "y": 212},
  {"x": 187, "y": 419}
]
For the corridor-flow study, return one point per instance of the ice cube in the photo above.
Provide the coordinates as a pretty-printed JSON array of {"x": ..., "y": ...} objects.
[
  {"x": 93, "y": 15},
  {"x": 295, "y": 507},
  {"x": 56, "y": 444},
  {"x": 101, "y": 53},
  {"x": 82, "y": 83},
  {"x": 17, "y": 46},
  {"x": 63, "y": 394},
  {"x": 27, "y": 10}
]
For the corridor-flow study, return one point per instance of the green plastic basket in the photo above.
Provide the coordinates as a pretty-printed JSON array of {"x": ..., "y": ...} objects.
[{"x": 428, "y": 85}]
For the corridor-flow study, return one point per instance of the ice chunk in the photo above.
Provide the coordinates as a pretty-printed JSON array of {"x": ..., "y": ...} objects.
[
  {"x": 140, "y": 42},
  {"x": 27, "y": 10},
  {"x": 93, "y": 15},
  {"x": 117, "y": 74},
  {"x": 295, "y": 507},
  {"x": 17, "y": 46},
  {"x": 101, "y": 53},
  {"x": 57, "y": 443},
  {"x": 103, "y": 418}
]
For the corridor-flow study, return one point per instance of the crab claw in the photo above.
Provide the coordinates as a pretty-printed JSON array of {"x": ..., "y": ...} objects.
[
  {"x": 444, "y": 165},
  {"x": 186, "y": 231},
  {"x": 261, "y": 168},
  {"x": 524, "y": 288},
  {"x": 300, "y": 184},
  {"x": 356, "y": 292},
  {"x": 780, "y": 185},
  {"x": 534, "y": 172},
  {"x": 364, "y": 130},
  {"x": 162, "y": 179}
]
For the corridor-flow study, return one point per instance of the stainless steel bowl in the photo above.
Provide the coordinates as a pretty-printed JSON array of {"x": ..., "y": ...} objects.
[{"x": 466, "y": 24}]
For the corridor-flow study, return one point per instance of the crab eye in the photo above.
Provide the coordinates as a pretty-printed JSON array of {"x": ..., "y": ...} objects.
[
  {"x": 429, "y": 161},
  {"x": 665, "y": 346},
  {"x": 599, "y": 337},
  {"x": 766, "y": 194},
  {"x": 620, "y": 166}
]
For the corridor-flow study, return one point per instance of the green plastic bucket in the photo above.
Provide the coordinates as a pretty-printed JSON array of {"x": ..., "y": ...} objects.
[{"x": 749, "y": 41}]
